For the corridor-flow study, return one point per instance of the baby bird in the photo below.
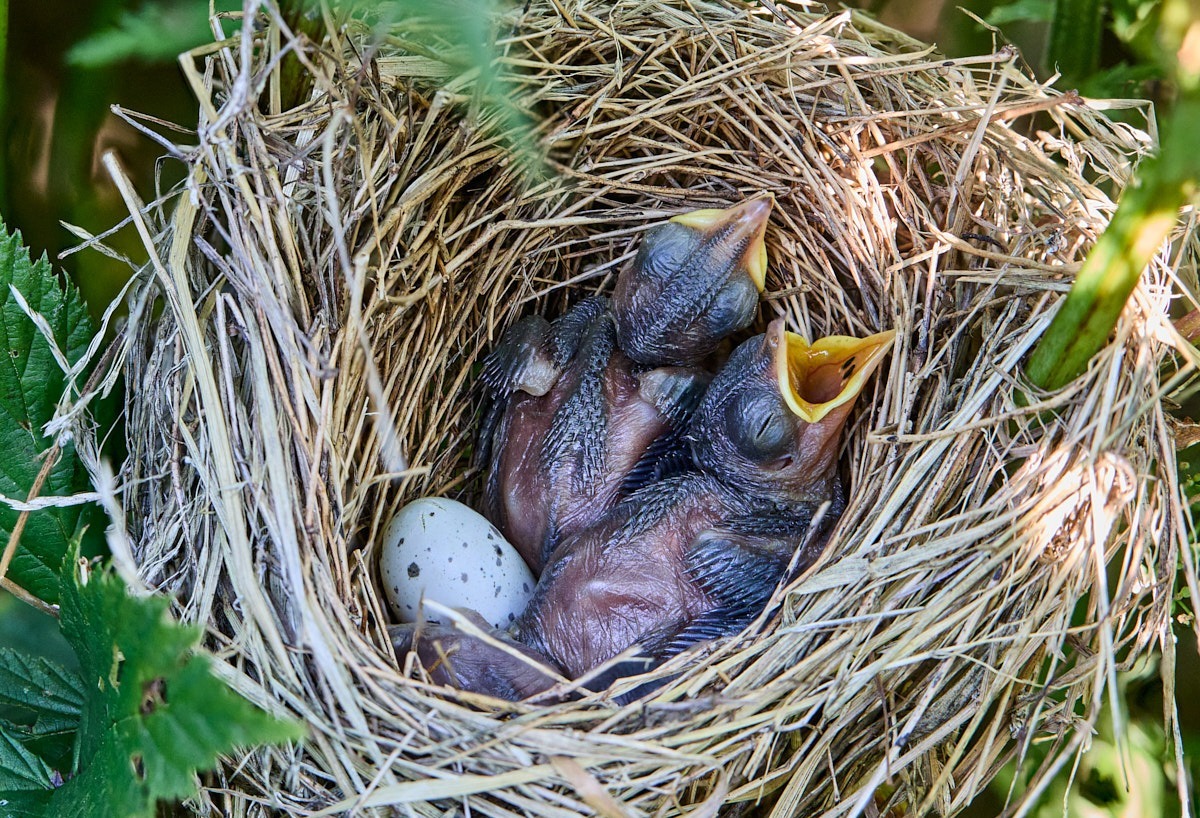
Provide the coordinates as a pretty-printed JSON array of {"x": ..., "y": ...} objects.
[
  {"x": 695, "y": 281},
  {"x": 697, "y": 556},
  {"x": 573, "y": 424},
  {"x": 589, "y": 408}
]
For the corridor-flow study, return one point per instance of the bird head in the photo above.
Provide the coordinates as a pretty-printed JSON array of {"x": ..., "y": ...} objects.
[
  {"x": 772, "y": 419},
  {"x": 696, "y": 280}
]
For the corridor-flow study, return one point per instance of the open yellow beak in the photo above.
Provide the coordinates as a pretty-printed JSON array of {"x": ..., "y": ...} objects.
[
  {"x": 743, "y": 222},
  {"x": 817, "y": 378}
]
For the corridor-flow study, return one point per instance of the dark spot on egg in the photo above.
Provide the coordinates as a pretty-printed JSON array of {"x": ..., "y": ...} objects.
[
  {"x": 396, "y": 588},
  {"x": 498, "y": 551},
  {"x": 401, "y": 542},
  {"x": 464, "y": 576},
  {"x": 499, "y": 562},
  {"x": 414, "y": 570},
  {"x": 512, "y": 617},
  {"x": 497, "y": 594},
  {"x": 465, "y": 545},
  {"x": 525, "y": 587}
]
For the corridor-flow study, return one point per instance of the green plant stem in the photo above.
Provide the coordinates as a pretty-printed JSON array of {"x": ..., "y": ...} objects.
[
  {"x": 1074, "y": 47},
  {"x": 1144, "y": 218}
]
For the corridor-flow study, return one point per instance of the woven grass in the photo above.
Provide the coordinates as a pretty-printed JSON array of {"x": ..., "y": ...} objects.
[{"x": 302, "y": 352}]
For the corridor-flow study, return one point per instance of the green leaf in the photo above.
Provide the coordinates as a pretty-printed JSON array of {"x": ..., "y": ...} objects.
[
  {"x": 462, "y": 35},
  {"x": 19, "y": 768},
  {"x": 33, "y": 683},
  {"x": 28, "y": 630},
  {"x": 24, "y": 804},
  {"x": 157, "y": 32},
  {"x": 1122, "y": 80},
  {"x": 1135, "y": 21},
  {"x": 1022, "y": 11},
  {"x": 154, "y": 713},
  {"x": 31, "y": 383},
  {"x": 40, "y": 704}
]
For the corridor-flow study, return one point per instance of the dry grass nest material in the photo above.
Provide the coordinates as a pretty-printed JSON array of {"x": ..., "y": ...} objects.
[{"x": 302, "y": 355}]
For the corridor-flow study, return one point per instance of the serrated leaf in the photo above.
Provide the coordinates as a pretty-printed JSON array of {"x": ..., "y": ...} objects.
[
  {"x": 19, "y": 768},
  {"x": 53, "y": 694},
  {"x": 155, "y": 714},
  {"x": 56, "y": 749},
  {"x": 31, "y": 383}
]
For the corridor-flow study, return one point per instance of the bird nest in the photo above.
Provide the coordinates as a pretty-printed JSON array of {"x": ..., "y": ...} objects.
[{"x": 303, "y": 350}]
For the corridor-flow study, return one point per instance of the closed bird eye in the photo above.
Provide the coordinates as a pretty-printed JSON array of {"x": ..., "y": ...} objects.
[
  {"x": 664, "y": 252},
  {"x": 733, "y": 308},
  {"x": 758, "y": 427}
]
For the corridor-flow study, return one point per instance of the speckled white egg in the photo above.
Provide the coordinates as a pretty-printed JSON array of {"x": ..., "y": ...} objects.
[{"x": 441, "y": 550}]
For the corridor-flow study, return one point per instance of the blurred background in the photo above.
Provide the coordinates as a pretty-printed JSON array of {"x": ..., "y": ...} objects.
[{"x": 69, "y": 62}]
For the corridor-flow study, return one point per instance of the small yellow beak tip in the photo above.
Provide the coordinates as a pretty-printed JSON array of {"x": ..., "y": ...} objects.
[{"x": 755, "y": 218}]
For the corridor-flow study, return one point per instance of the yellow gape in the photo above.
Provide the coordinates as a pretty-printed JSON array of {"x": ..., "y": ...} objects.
[{"x": 817, "y": 378}]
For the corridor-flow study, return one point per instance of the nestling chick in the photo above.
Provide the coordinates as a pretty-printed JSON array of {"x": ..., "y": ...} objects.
[
  {"x": 771, "y": 423},
  {"x": 586, "y": 409},
  {"x": 697, "y": 556},
  {"x": 573, "y": 423}
]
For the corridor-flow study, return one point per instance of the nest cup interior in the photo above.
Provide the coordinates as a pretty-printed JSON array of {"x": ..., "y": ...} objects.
[{"x": 352, "y": 259}]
